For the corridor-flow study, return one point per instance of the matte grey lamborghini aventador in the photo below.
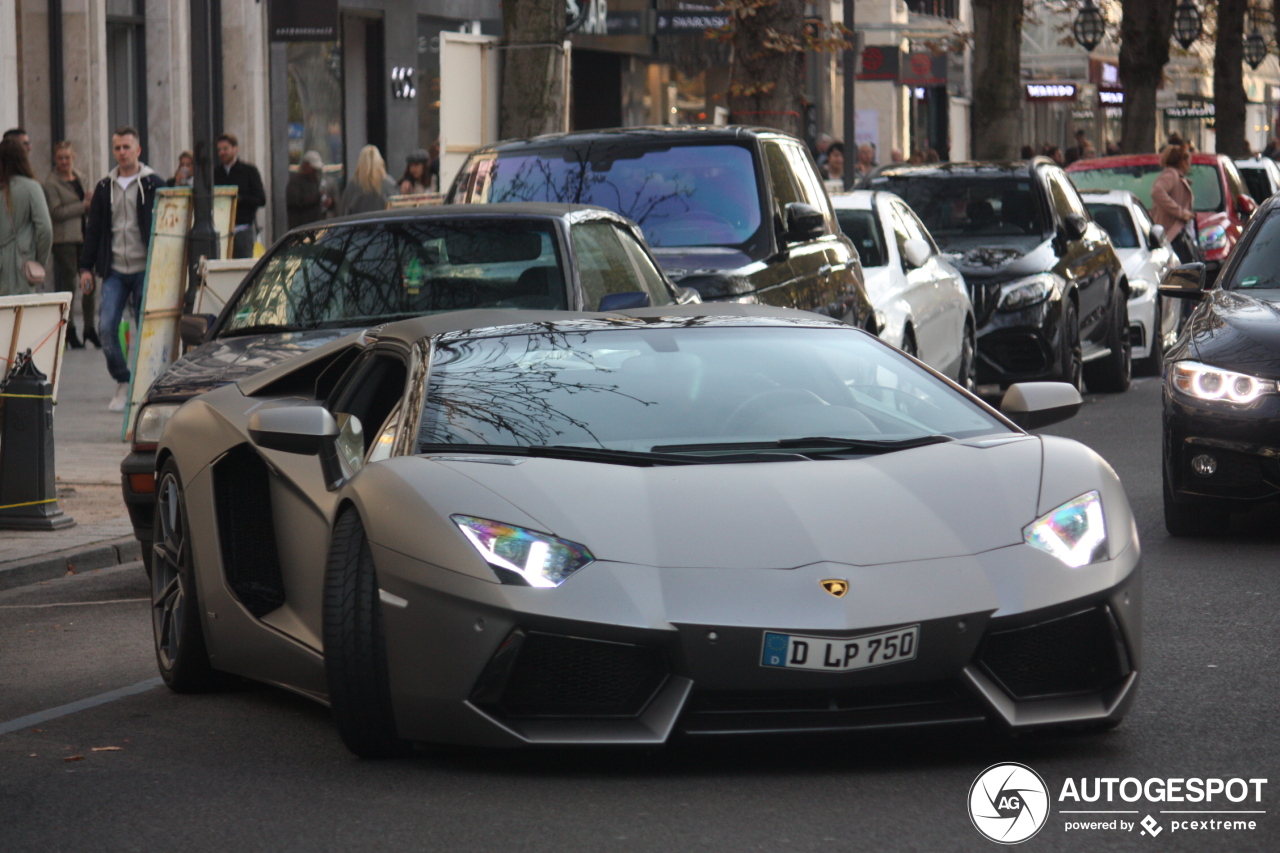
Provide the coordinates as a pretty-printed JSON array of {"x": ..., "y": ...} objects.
[{"x": 504, "y": 528}]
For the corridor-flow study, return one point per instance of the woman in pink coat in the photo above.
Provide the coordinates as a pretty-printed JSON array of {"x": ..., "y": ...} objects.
[{"x": 1173, "y": 205}]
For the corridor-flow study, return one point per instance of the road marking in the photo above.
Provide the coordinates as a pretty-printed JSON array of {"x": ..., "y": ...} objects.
[
  {"x": 72, "y": 603},
  {"x": 91, "y": 702}
]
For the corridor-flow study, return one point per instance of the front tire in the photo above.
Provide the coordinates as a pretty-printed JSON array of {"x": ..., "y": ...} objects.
[
  {"x": 1112, "y": 374},
  {"x": 181, "y": 653},
  {"x": 355, "y": 651},
  {"x": 1072, "y": 352}
]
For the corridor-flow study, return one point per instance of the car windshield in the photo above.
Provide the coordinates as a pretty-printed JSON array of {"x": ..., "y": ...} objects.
[
  {"x": 1117, "y": 222},
  {"x": 864, "y": 230},
  {"x": 705, "y": 384},
  {"x": 1206, "y": 188},
  {"x": 366, "y": 274},
  {"x": 960, "y": 206},
  {"x": 687, "y": 195},
  {"x": 1259, "y": 267}
]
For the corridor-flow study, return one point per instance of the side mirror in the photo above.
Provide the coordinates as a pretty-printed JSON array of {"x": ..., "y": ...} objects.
[
  {"x": 804, "y": 222},
  {"x": 1032, "y": 405},
  {"x": 312, "y": 431},
  {"x": 623, "y": 301},
  {"x": 1245, "y": 205},
  {"x": 194, "y": 328},
  {"x": 1185, "y": 282},
  {"x": 916, "y": 252},
  {"x": 1157, "y": 236},
  {"x": 687, "y": 296},
  {"x": 1074, "y": 224}
]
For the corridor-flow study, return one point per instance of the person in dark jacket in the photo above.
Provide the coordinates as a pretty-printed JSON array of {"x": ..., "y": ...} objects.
[
  {"x": 116, "y": 239},
  {"x": 308, "y": 196},
  {"x": 232, "y": 171}
]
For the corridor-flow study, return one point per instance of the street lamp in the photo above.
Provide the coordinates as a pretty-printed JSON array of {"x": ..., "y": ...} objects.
[
  {"x": 1089, "y": 26},
  {"x": 1255, "y": 49},
  {"x": 1187, "y": 24}
]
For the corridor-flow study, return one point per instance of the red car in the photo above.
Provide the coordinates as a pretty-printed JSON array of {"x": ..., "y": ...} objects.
[{"x": 1222, "y": 201}]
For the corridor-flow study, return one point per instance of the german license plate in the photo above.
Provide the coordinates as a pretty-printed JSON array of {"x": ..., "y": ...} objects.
[{"x": 840, "y": 654}]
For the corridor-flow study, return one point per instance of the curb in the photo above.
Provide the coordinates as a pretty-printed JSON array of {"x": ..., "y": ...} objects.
[{"x": 99, "y": 555}]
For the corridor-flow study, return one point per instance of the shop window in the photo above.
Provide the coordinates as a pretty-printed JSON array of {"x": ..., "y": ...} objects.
[
  {"x": 314, "y": 72},
  {"x": 126, "y": 67}
]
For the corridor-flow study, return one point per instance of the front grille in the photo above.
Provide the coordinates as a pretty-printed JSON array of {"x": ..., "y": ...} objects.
[
  {"x": 246, "y": 528},
  {"x": 734, "y": 712},
  {"x": 984, "y": 296},
  {"x": 1079, "y": 653},
  {"x": 556, "y": 676},
  {"x": 1239, "y": 475},
  {"x": 1017, "y": 353}
]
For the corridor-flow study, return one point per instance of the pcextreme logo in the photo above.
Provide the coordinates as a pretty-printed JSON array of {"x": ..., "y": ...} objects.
[{"x": 1009, "y": 803}]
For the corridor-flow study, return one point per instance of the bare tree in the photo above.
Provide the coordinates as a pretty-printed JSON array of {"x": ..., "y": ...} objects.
[
  {"x": 1228, "y": 78},
  {"x": 997, "y": 79},
  {"x": 533, "y": 88},
  {"x": 1145, "y": 30}
]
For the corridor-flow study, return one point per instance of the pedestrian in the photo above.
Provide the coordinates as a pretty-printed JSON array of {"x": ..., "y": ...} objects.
[
  {"x": 1027, "y": 152},
  {"x": 821, "y": 146},
  {"x": 185, "y": 175},
  {"x": 115, "y": 248},
  {"x": 1076, "y": 152},
  {"x": 308, "y": 196},
  {"x": 866, "y": 159},
  {"x": 895, "y": 155},
  {"x": 1173, "y": 203},
  {"x": 834, "y": 169},
  {"x": 1054, "y": 153},
  {"x": 232, "y": 171},
  {"x": 26, "y": 232},
  {"x": 22, "y": 138},
  {"x": 417, "y": 174},
  {"x": 66, "y": 192},
  {"x": 369, "y": 188},
  {"x": 434, "y": 169},
  {"x": 1113, "y": 149}
]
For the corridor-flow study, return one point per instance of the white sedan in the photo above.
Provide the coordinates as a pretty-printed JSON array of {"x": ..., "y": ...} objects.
[
  {"x": 921, "y": 304},
  {"x": 1145, "y": 254}
]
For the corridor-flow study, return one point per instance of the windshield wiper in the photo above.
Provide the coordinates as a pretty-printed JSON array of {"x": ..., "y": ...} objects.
[
  {"x": 638, "y": 458},
  {"x": 820, "y": 443}
]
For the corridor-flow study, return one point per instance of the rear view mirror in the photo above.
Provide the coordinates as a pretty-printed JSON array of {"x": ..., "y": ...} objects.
[
  {"x": 804, "y": 222},
  {"x": 311, "y": 431},
  {"x": 1185, "y": 282},
  {"x": 1074, "y": 224},
  {"x": 1245, "y": 205},
  {"x": 193, "y": 328},
  {"x": 623, "y": 301},
  {"x": 1032, "y": 405},
  {"x": 916, "y": 252},
  {"x": 1157, "y": 236}
]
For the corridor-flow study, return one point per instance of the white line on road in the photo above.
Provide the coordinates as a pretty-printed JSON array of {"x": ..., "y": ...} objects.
[
  {"x": 71, "y": 603},
  {"x": 91, "y": 702}
]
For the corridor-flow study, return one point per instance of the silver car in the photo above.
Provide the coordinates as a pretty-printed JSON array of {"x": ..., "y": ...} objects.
[{"x": 504, "y": 528}]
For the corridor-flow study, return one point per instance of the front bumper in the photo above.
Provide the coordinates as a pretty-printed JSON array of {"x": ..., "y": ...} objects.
[
  {"x": 1021, "y": 346},
  {"x": 624, "y": 654},
  {"x": 1242, "y": 440},
  {"x": 136, "y": 471}
]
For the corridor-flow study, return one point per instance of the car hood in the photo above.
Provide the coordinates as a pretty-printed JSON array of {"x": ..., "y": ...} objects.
[
  {"x": 225, "y": 360},
  {"x": 1005, "y": 257},
  {"x": 1239, "y": 330},
  {"x": 910, "y": 505}
]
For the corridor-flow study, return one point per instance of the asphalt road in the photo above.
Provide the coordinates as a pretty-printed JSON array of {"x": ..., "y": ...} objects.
[{"x": 261, "y": 769}]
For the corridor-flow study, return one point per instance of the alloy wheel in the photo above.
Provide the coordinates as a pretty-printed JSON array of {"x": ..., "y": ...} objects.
[{"x": 170, "y": 550}]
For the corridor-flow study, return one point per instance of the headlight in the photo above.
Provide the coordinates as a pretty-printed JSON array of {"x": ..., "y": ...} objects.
[
  {"x": 151, "y": 421},
  {"x": 1212, "y": 383},
  {"x": 523, "y": 556},
  {"x": 1075, "y": 532},
  {"x": 1139, "y": 288},
  {"x": 1026, "y": 292},
  {"x": 1214, "y": 238}
]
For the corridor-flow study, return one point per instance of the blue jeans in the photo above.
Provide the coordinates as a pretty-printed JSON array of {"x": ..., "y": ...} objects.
[{"x": 118, "y": 289}]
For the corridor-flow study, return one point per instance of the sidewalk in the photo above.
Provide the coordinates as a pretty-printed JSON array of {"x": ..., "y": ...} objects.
[{"x": 87, "y": 452}]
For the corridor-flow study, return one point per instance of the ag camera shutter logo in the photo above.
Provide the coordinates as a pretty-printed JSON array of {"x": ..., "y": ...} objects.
[{"x": 1008, "y": 803}]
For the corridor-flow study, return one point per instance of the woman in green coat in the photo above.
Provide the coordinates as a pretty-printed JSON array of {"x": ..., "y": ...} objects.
[{"x": 26, "y": 232}]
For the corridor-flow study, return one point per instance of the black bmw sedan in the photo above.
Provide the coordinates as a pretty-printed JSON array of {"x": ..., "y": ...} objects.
[{"x": 1222, "y": 386}]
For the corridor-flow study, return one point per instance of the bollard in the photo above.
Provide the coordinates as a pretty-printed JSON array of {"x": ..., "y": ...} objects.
[{"x": 28, "y": 493}]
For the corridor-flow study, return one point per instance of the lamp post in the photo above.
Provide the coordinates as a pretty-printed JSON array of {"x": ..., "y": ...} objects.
[
  {"x": 1188, "y": 25},
  {"x": 1089, "y": 26},
  {"x": 1255, "y": 48}
]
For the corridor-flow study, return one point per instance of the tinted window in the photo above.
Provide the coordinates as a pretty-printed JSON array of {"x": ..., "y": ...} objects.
[
  {"x": 863, "y": 228},
  {"x": 781, "y": 180},
  {"x": 811, "y": 190},
  {"x": 1258, "y": 182},
  {"x": 634, "y": 389},
  {"x": 605, "y": 266},
  {"x": 338, "y": 277},
  {"x": 1205, "y": 184},
  {"x": 969, "y": 206},
  {"x": 1260, "y": 266},
  {"x": 1115, "y": 220},
  {"x": 688, "y": 195}
]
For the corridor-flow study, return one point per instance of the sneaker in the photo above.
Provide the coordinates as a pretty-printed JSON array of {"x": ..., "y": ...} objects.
[{"x": 121, "y": 397}]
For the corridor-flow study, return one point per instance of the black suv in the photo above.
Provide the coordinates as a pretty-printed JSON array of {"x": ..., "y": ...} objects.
[
  {"x": 735, "y": 213},
  {"x": 1049, "y": 294}
]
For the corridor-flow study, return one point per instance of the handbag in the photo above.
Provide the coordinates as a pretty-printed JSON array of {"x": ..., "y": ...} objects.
[{"x": 32, "y": 271}]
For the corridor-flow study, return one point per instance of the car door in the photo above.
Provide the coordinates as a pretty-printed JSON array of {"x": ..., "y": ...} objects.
[
  {"x": 1089, "y": 261},
  {"x": 1159, "y": 258},
  {"x": 938, "y": 301}
]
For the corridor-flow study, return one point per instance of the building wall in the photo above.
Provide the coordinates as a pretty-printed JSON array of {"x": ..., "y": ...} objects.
[{"x": 9, "y": 88}]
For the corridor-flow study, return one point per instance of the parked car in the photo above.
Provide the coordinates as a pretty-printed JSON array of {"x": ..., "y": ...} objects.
[
  {"x": 1146, "y": 256},
  {"x": 527, "y": 528},
  {"x": 1222, "y": 203},
  {"x": 738, "y": 214},
  {"x": 1222, "y": 386},
  {"x": 1261, "y": 176},
  {"x": 1048, "y": 291},
  {"x": 320, "y": 282},
  {"x": 920, "y": 300}
]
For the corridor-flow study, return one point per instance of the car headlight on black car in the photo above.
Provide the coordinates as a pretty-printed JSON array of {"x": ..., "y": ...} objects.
[
  {"x": 1075, "y": 532},
  {"x": 1026, "y": 292},
  {"x": 1213, "y": 383},
  {"x": 151, "y": 422},
  {"x": 521, "y": 556}
]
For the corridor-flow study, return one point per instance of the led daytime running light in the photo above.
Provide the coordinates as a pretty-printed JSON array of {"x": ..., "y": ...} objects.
[
  {"x": 523, "y": 556},
  {"x": 1211, "y": 383},
  {"x": 1075, "y": 532}
]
